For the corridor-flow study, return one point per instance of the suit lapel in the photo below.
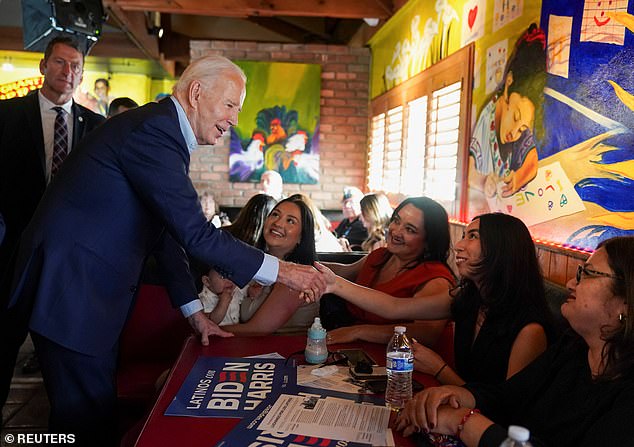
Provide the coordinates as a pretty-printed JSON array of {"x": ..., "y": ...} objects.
[
  {"x": 79, "y": 125},
  {"x": 34, "y": 119},
  {"x": 168, "y": 103}
]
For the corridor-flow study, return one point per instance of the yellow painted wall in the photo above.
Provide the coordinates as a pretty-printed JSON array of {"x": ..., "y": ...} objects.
[
  {"x": 422, "y": 31},
  {"x": 140, "y": 87},
  {"x": 159, "y": 86}
]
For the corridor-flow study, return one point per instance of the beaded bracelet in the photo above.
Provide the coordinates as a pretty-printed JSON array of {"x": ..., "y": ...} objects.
[
  {"x": 440, "y": 370},
  {"x": 464, "y": 420}
]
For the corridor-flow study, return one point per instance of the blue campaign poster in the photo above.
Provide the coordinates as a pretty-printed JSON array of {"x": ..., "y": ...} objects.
[{"x": 230, "y": 387}]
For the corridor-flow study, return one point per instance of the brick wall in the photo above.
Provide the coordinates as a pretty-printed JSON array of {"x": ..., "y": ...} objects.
[{"x": 344, "y": 121}]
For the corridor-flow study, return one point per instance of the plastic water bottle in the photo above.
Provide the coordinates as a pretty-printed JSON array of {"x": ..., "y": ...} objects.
[
  {"x": 399, "y": 365},
  {"x": 517, "y": 437},
  {"x": 316, "y": 349}
]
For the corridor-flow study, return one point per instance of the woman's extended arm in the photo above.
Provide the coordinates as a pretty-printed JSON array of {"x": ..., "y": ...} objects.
[
  {"x": 382, "y": 333},
  {"x": 431, "y": 307},
  {"x": 274, "y": 312},
  {"x": 430, "y": 362},
  {"x": 348, "y": 271},
  {"x": 426, "y": 331}
]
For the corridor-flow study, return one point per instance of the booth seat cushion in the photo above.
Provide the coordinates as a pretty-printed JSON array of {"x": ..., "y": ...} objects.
[
  {"x": 348, "y": 257},
  {"x": 149, "y": 344},
  {"x": 555, "y": 296}
]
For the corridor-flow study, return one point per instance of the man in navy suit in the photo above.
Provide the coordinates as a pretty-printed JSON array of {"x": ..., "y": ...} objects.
[
  {"x": 27, "y": 127},
  {"x": 124, "y": 195}
]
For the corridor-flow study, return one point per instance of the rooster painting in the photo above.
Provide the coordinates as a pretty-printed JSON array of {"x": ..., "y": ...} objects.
[{"x": 279, "y": 123}]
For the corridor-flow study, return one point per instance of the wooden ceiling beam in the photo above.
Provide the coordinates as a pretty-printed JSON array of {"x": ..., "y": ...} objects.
[
  {"x": 11, "y": 38},
  {"x": 345, "y": 9},
  {"x": 175, "y": 46},
  {"x": 135, "y": 25},
  {"x": 292, "y": 31},
  {"x": 108, "y": 45},
  {"x": 388, "y": 6}
]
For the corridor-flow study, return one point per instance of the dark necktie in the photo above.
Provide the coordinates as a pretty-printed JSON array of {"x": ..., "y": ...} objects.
[{"x": 60, "y": 143}]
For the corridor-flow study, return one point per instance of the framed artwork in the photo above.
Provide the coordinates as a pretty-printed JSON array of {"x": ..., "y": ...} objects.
[{"x": 279, "y": 123}]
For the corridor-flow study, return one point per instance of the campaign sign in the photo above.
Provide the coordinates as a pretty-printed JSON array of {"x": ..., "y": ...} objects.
[
  {"x": 230, "y": 387},
  {"x": 246, "y": 433}
]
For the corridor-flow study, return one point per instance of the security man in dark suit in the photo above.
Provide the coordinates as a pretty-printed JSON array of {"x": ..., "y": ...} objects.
[
  {"x": 36, "y": 133},
  {"x": 124, "y": 195}
]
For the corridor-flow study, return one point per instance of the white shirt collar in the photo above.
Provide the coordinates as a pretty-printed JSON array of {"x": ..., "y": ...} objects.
[
  {"x": 186, "y": 128},
  {"x": 47, "y": 104}
]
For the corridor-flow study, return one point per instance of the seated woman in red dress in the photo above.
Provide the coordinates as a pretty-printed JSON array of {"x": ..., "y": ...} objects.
[{"x": 413, "y": 265}]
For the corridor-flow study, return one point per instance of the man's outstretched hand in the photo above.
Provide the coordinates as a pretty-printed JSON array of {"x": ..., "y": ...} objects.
[
  {"x": 204, "y": 327},
  {"x": 310, "y": 283}
]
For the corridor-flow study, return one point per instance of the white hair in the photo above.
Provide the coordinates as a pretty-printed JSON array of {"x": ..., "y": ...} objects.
[
  {"x": 207, "y": 69},
  {"x": 273, "y": 175}
]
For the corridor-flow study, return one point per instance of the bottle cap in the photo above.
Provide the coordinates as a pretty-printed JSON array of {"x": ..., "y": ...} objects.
[
  {"x": 400, "y": 329},
  {"x": 519, "y": 433},
  {"x": 316, "y": 331},
  {"x": 317, "y": 324}
]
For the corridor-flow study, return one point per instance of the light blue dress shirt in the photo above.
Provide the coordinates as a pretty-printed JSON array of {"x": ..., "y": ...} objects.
[{"x": 267, "y": 273}]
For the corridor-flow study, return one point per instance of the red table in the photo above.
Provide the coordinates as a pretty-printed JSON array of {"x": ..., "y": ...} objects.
[{"x": 160, "y": 430}]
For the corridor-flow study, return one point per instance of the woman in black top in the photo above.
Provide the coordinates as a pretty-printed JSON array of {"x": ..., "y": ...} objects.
[
  {"x": 502, "y": 319},
  {"x": 580, "y": 392}
]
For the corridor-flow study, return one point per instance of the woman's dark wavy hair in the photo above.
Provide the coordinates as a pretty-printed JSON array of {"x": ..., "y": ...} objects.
[
  {"x": 528, "y": 65},
  {"x": 618, "y": 352},
  {"x": 511, "y": 284},
  {"x": 249, "y": 222},
  {"x": 304, "y": 251},
  {"x": 436, "y": 227}
]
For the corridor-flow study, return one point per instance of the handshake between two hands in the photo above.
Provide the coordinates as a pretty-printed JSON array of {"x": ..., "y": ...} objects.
[{"x": 311, "y": 281}]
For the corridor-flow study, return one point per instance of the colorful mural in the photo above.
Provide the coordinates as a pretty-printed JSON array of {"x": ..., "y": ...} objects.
[
  {"x": 579, "y": 190},
  {"x": 503, "y": 156},
  {"x": 589, "y": 116},
  {"x": 279, "y": 123},
  {"x": 560, "y": 156}
]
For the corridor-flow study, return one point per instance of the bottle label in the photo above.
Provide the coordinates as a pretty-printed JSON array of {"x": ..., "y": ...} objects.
[{"x": 400, "y": 364}]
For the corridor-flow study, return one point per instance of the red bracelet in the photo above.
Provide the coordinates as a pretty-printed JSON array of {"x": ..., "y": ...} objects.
[{"x": 464, "y": 420}]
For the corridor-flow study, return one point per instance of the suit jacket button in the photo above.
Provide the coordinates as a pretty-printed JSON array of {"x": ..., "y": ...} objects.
[{"x": 132, "y": 289}]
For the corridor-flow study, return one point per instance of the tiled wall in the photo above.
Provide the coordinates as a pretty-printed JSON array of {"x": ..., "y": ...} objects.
[{"x": 344, "y": 121}]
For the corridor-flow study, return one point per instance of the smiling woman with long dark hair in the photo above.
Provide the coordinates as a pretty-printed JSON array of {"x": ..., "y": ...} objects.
[
  {"x": 412, "y": 266},
  {"x": 288, "y": 234}
]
